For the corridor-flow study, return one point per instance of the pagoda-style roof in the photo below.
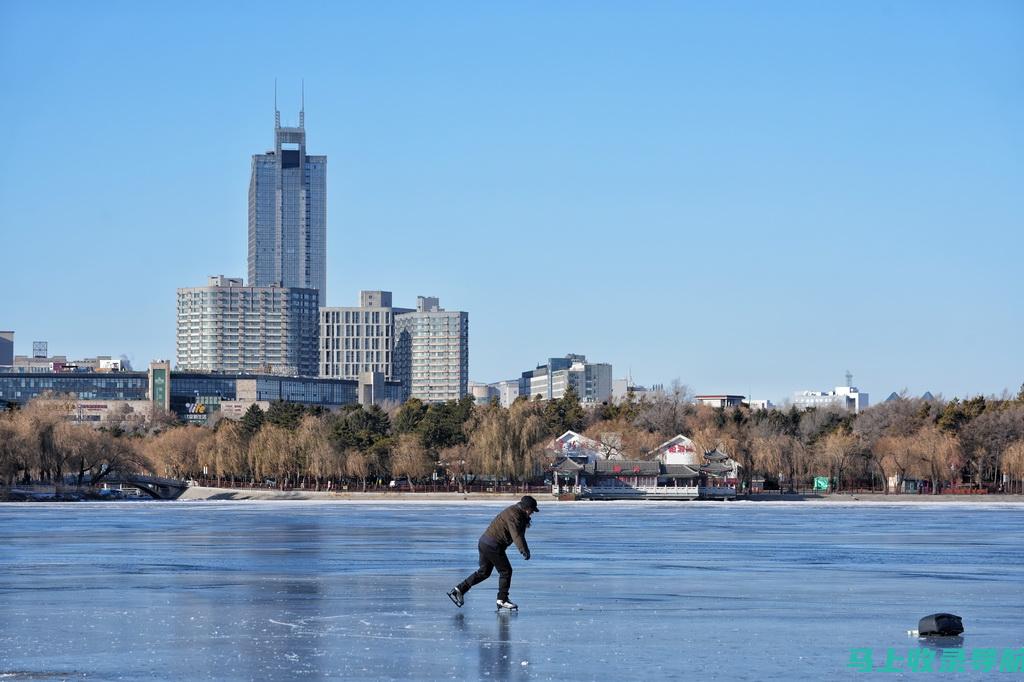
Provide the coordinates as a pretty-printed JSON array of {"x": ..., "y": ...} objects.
[
  {"x": 564, "y": 465},
  {"x": 716, "y": 468},
  {"x": 715, "y": 456}
]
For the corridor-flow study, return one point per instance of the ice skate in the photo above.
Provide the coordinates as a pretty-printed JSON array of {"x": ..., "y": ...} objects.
[
  {"x": 456, "y": 596},
  {"x": 506, "y": 604}
]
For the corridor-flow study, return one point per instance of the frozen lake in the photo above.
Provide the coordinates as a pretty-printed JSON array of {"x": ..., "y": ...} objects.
[{"x": 307, "y": 590}]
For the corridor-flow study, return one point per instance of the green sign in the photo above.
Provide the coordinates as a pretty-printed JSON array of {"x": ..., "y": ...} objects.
[
  {"x": 159, "y": 386},
  {"x": 821, "y": 482}
]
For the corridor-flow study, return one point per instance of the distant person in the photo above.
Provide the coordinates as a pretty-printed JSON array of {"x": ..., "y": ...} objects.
[{"x": 507, "y": 527}]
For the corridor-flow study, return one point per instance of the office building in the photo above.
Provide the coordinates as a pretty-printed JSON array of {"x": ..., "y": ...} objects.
[
  {"x": 288, "y": 214},
  {"x": 359, "y": 339},
  {"x": 592, "y": 381},
  {"x": 6, "y": 349},
  {"x": 431, "y": 356},
  {"x": 507, "y": 390},
  {"x": 193, "y": 396},
  {"x": 228, "y": 327}
]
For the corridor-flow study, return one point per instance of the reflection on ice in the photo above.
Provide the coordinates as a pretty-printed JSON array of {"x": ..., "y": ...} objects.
[{"x": 357, "y": 591}]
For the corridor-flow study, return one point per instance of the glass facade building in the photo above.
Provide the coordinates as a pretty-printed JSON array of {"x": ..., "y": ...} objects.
[
  {"x": 288, "y": 214},
  {"x": 186, "y": 387},
  {"x": 20, "y": 387}
]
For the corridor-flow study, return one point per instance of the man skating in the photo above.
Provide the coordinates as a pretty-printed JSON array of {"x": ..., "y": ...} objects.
[{"x": 507, "y": 527}]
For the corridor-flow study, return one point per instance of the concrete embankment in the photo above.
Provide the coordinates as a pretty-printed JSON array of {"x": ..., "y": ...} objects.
[{"x": 204, "y": 493}]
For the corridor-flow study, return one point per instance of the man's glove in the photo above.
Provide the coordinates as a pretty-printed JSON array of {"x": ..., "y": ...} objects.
[{"x": 526, "y": 555}]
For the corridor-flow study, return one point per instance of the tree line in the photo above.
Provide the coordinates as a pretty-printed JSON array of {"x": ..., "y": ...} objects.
[{"x": 978, "y": 440}]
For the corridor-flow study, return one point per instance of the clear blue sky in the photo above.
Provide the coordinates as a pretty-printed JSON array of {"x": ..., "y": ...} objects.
[{"x": 751, "y": 197}]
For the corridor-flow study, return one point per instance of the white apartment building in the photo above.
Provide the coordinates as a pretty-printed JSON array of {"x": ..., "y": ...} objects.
[
  {"x": 431, "y": 352},
  {"x": 359, "y": 339},
  {"x": 228, "y": 327},
  {"x": 843, "y": 397}
]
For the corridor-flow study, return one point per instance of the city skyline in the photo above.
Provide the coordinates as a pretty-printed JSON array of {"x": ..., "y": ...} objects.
[{"x": 752, "y": 202}]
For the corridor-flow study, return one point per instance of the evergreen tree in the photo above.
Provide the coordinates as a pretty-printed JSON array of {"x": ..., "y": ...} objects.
[
  {"x": 565, "y": 413},
  {"x": 285, "y": 414},
  {"x": 252, "y": 420},
  {"x": 409, "y": 416}
]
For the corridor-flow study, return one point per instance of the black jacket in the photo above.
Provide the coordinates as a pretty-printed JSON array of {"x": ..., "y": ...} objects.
[{"x": 509, "y": 527}]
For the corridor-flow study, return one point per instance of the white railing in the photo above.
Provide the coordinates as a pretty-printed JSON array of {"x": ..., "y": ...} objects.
[
  {"x": 715, "y": 492},
  {"x": 650, "y": 492}
]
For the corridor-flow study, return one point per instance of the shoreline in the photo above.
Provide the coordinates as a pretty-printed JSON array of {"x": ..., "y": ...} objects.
[
  {"x": 211, "y": 494},
  {"x": 201, "y": 493}
]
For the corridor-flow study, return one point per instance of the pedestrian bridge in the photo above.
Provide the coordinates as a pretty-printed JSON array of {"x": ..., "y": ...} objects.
[{"x": 156, "y": 487}]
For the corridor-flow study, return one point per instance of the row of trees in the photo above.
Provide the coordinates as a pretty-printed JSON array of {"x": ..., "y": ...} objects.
[{"x": 978, "y": 440}]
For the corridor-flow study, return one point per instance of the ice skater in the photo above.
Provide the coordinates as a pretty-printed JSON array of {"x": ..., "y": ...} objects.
[{"x": 507, "y": 527}]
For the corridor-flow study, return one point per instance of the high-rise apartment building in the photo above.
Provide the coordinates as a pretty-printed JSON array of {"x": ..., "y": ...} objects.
[
  {"x": 288, "y": 214},
  {"x": 228, "y": 327},
  {"x": 431, "y": 356},
  {"x": 360, "y": 339}
]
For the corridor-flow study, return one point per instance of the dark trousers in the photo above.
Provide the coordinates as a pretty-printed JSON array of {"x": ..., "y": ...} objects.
[{"x": 491, "y": 557}]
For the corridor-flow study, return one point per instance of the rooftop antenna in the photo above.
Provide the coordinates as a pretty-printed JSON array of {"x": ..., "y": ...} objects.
[
  {"x": 302, "y": 105},
  {"x": 277, "y": 114},
  {"x": 849, "y": 379}
]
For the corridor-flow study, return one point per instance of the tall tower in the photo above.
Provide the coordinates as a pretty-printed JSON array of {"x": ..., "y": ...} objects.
[{"x": 288, "y": 213}]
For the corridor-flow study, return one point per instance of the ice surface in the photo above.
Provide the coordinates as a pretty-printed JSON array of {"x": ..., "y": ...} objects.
[{"x": 294, "y": 590}]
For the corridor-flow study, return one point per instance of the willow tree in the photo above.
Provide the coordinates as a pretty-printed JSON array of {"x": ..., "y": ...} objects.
[
  {"x": 1013, "y": 465},
  {"x": 271, "y": 452},
  {"x": 896, "y": 458},
  {"x": 176, "y": 452},
  {"x": 321, "y": 460},
  {"x": 938, "y": 452},
  {"x": 36, "y": 425},
  {"x": 410, "y": 458},
  {"x": 228, "y": 450},
  {"x": 508, "y": 443},
  {"x": 836, "y": 452},
  {"x": 359, "y": 464},
  {"x": 12, "y": 452}
]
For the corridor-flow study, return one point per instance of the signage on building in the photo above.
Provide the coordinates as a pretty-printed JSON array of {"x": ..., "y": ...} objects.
[
  {"x": 198, "y": 411},
  {"x": 160, "y": 386}
]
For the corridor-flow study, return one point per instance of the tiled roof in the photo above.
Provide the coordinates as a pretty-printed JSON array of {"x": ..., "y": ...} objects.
[
  {"x": 715, "y": 456},
  {"x": 626, "y": 467},
  {"x": 715, "y": 468},
  {"x": 678, "y": 471},
  {"x": 565, "y": 465}
]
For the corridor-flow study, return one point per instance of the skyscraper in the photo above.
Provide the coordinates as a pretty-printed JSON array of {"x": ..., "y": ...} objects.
[{"x": 288, "y": 213}]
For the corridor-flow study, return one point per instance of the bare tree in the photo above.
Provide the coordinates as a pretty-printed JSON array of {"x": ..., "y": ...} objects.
[
  {"x": 321, "y": 459},
  {"x": 1013, "y": 463},
  {"x": 836, "y": 451},
  {"x": 409, "y": 458},
  {"x": 359, "y": 464},
  {"x": 986, "y": 437},
  {"x": 666, "y": 414},
  {"x": 228, "y": 450},
  {"x": 270, "y": 452},
  {"x": 455, "y": 460},
  {"x": 176, "y": 452}
]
